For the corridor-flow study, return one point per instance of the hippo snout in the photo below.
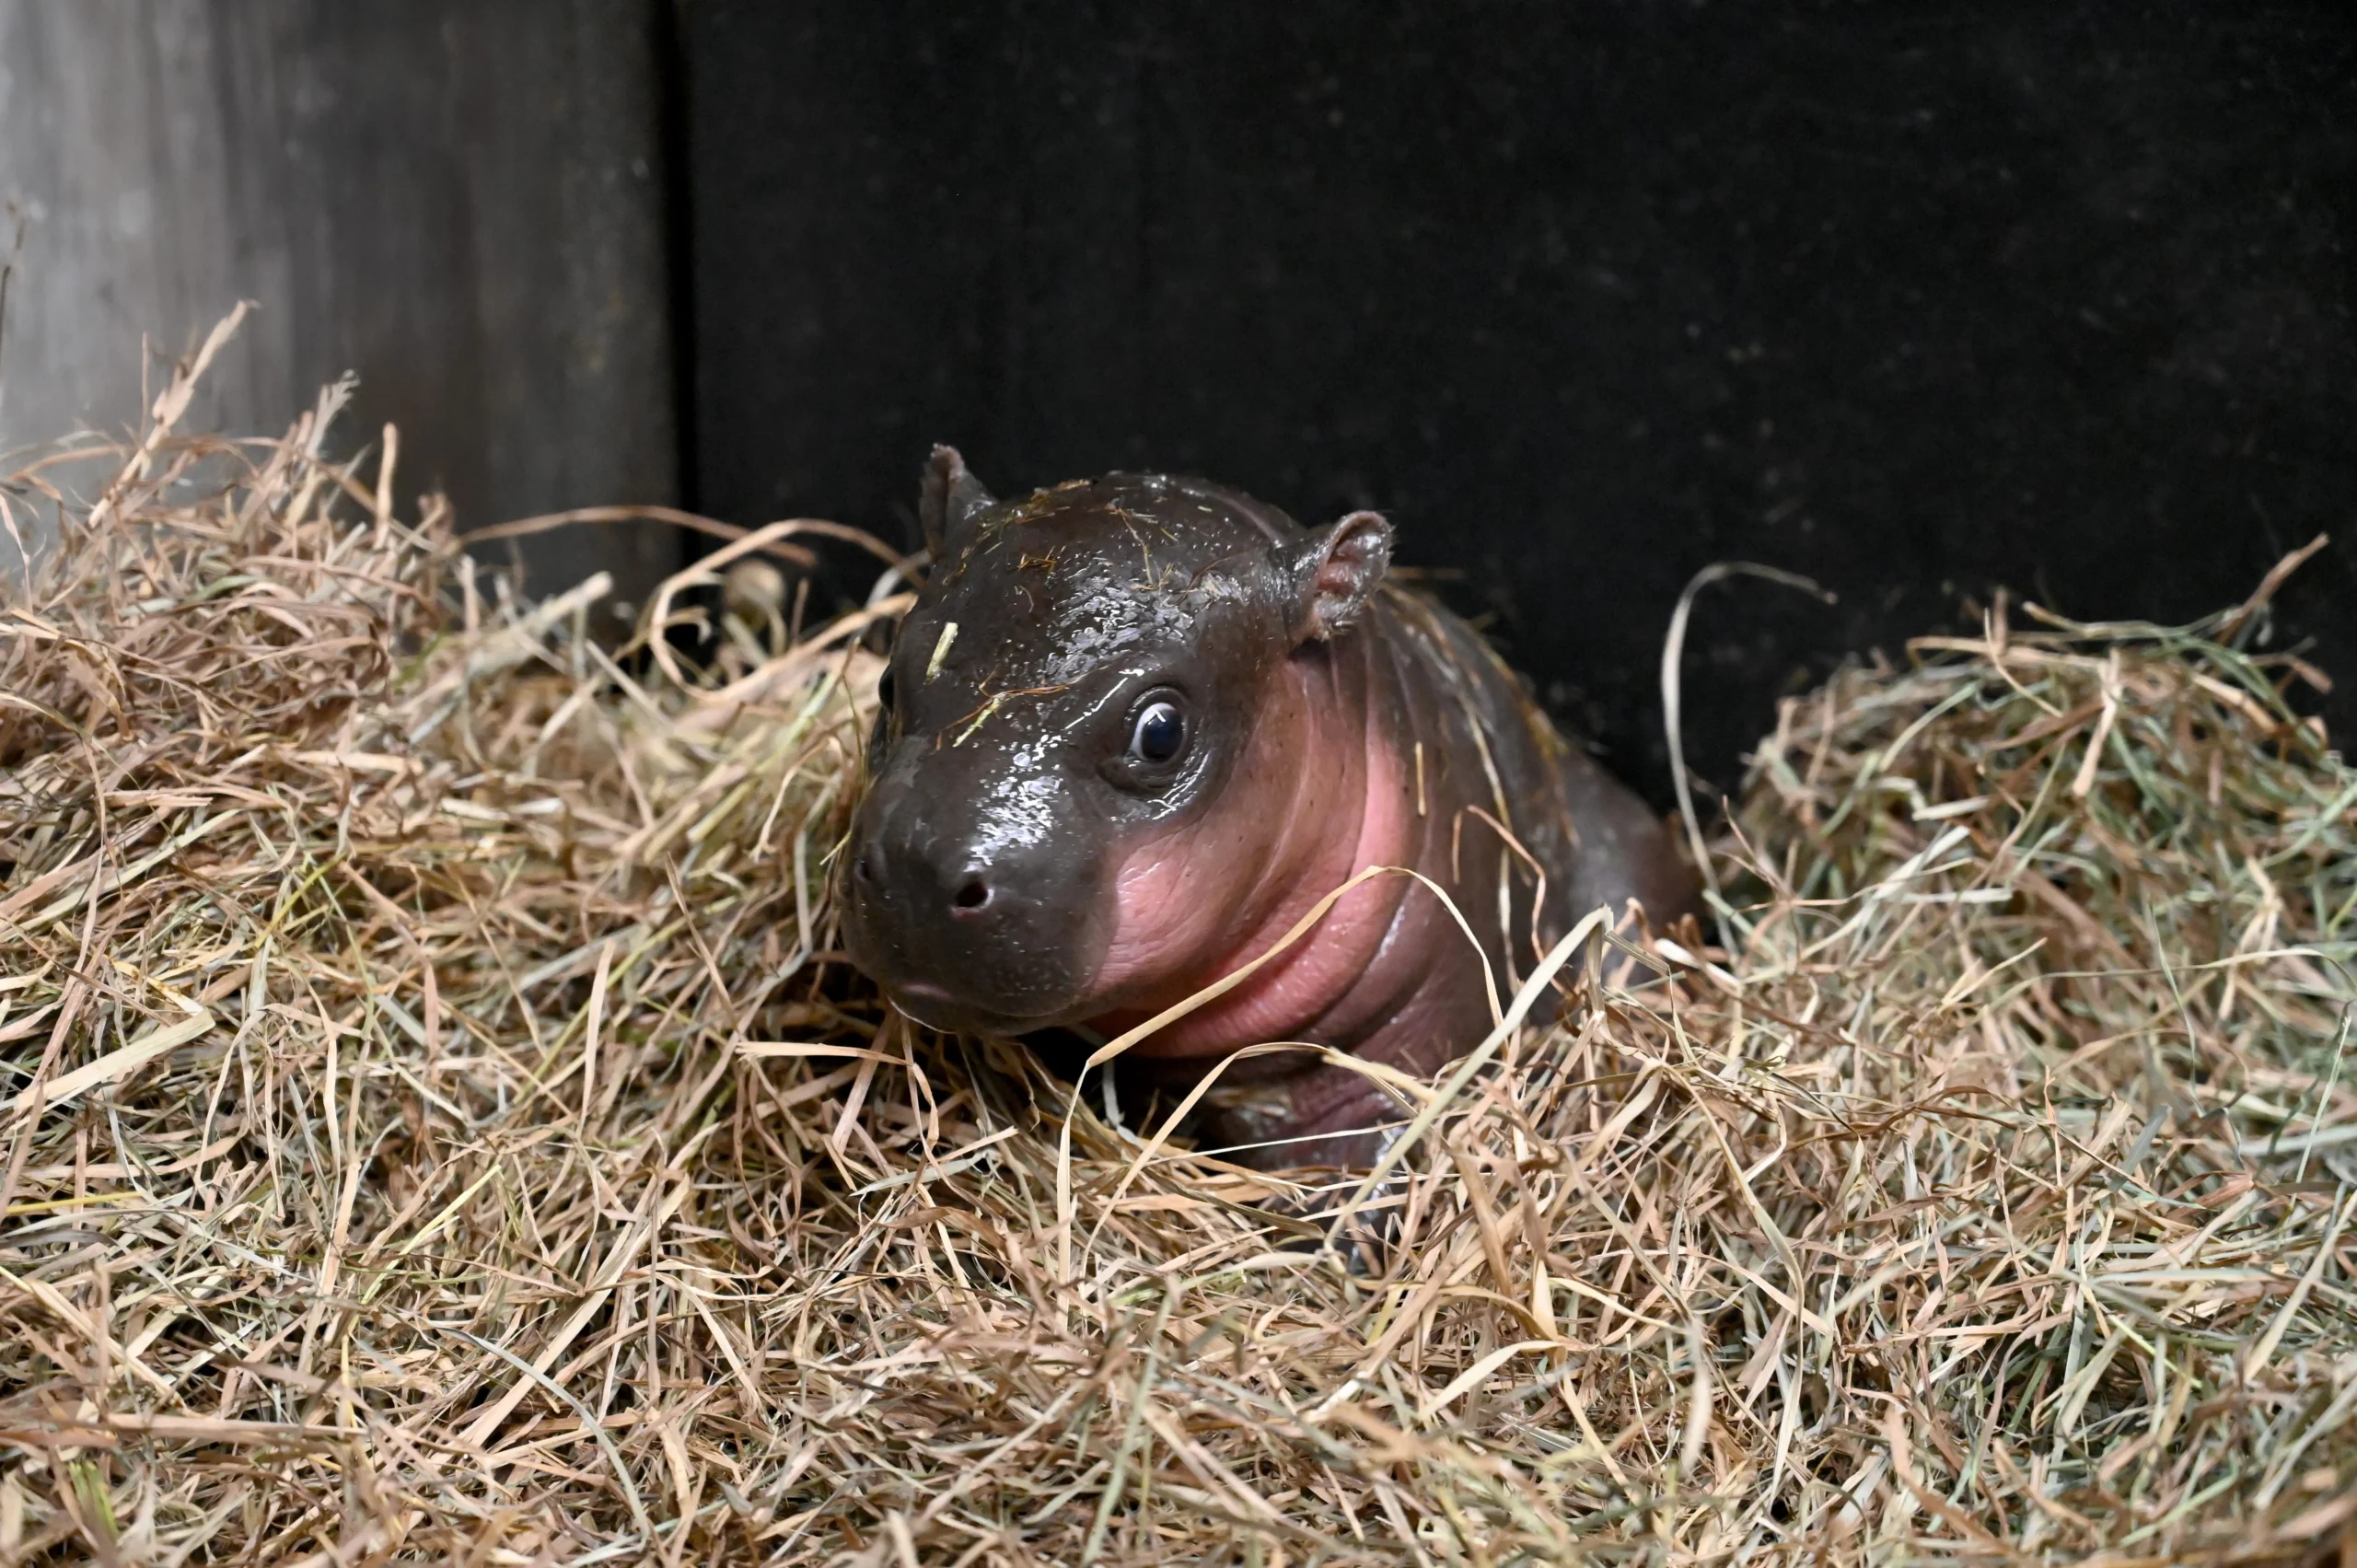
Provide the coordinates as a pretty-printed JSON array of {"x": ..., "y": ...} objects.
[
  {"x": 880, "y": 873},
  {"x": 964, "y": 929}
]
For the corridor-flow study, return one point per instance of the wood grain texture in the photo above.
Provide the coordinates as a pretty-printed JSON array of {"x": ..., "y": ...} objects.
[{"x": 462, "y": 202}]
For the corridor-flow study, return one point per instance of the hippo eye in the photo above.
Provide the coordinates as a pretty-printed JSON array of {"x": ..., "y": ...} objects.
[{"x": 1160, "y": 734}]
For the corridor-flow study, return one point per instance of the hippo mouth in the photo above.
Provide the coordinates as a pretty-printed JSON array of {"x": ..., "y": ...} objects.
[{"x": 939, "y": 1007}]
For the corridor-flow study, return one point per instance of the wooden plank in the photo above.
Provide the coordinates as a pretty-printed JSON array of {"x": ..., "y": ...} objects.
[{"x": 461, "y": 202}]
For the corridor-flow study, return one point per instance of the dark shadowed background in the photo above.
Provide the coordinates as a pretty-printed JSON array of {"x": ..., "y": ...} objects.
[{"x": 1917, "y": 300}]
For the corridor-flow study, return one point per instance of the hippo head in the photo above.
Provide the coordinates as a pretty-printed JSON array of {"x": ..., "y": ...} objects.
[{"x": 1090, "y": 740}]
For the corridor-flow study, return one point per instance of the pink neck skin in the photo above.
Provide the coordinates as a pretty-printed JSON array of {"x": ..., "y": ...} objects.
[{"x": 1319, "y": 795}]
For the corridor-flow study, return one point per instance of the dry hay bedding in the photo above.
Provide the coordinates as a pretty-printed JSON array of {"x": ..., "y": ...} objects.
[{"x": 437, "y": 1125}]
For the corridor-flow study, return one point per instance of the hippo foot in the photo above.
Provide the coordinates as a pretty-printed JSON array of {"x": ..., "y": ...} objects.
[
  {"x": 1349, "y": 1126},
  {"x": 1322, "y": 1117},
  {"x": 1321, "y": 1216}
]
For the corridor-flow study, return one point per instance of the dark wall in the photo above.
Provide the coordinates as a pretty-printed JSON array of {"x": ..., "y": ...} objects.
[{"x": 1919, "y": 300}]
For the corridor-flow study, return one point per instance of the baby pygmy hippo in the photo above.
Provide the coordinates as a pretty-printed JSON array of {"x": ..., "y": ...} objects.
[{"x": 1136, "y": 727}]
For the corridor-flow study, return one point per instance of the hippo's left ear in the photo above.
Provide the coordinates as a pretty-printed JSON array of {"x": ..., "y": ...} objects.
[{"x": 1334, "y": 573}]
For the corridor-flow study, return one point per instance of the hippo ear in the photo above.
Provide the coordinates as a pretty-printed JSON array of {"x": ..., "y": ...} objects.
[
  {"x": 1334, "y": 573},
  {"x": 952, "y": 499}
]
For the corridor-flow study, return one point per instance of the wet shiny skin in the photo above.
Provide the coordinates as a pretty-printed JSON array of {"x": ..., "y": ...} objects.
[{"x": 1033, "y": 852}]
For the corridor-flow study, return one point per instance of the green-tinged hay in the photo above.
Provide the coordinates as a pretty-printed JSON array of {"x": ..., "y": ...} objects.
[{"x": 437, "y": 1123}]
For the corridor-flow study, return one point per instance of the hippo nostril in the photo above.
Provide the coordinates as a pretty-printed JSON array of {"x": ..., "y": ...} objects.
[
  {"x": 973, "y": 894},
  {"x": 864, "y": 867}
]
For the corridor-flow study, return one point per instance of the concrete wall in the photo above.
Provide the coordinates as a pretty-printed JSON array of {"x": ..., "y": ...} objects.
[{"x": 461, "y": 201}]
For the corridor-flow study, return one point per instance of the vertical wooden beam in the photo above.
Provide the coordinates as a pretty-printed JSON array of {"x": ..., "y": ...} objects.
[{"x": 461, "y": 202}]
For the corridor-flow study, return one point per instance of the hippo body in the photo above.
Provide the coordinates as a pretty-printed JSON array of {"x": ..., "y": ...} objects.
[{"x": 1134, "y": 728}]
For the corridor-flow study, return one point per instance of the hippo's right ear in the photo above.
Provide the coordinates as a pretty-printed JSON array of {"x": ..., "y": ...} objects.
[
  {"x": 952, "y": 499},
  {"x": 1334, "y": 573}
]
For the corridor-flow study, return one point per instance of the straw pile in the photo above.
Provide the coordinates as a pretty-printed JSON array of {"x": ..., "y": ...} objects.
[{"x": 435, "y": 1123}]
